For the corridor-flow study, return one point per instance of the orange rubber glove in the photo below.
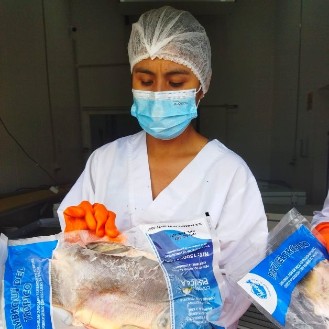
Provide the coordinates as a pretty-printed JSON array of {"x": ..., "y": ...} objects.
[
  {"x": 321, "y": 231},
  {"x": 95, "y": 218}
]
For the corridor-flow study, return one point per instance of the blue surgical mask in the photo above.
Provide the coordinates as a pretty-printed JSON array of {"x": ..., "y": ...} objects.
[{"x": 164, "y": 114}]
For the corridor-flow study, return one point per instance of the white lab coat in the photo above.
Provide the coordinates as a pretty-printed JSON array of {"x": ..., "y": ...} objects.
[
  {"x": 216, "y": 181},
  {"x": 320, "y": 216}
]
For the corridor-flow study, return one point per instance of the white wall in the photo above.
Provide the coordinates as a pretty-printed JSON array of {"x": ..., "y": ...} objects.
[
  {"x": 286, "y": 68},
  {"x": 37, "y": 94},
  {"x": 313, "y": 128},
  {"x": 300, "y": 135},
  {"x": 243, "y": 75},
  {"x": 64, "y": 91},
  {"x": 24, "y": 102}
]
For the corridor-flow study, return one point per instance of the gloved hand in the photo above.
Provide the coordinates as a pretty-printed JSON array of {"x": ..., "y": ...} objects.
[
  {"x": 321, "y": 231},
  {"x": 95, "y": 218}
]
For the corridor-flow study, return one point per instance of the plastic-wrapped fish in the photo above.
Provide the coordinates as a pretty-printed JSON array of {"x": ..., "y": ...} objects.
[
  {"x": 146, "y": 279},
  {"x": 128, "y": 290},
  {"x": 291, "y": 284},
  {"x": 315, "y": 287}
]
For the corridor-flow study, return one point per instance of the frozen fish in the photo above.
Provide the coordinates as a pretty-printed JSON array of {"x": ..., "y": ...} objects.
[
  {"x": 309, "y": 306},
  {"x": 110, "y": 285},
  {"x": 316, "y": 287}
]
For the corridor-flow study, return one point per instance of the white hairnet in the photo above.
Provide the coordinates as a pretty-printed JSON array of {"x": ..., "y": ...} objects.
[{"x": 174, "y": 35}]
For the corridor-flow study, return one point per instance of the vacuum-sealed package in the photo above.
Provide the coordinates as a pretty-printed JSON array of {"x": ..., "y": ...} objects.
[
  {"x": 160, "y": 276},
  {"x": 291, "y": 284},
  {"x": 26, "y": 288}
]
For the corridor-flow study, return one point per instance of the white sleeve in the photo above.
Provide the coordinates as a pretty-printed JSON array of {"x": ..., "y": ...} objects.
[
  {"x": 243, "y": 224},
  {"x": 323, "y": 215}
]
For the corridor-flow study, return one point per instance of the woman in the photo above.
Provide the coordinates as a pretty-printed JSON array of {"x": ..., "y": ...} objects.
[{"x": 169, "y": 172}]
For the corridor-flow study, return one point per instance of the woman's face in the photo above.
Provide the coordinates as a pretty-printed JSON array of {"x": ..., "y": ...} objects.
[{"x": 163, "y": 75}]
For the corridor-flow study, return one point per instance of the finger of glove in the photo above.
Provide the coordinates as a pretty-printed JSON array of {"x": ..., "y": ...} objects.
[
  {"x": 87, "y": 206},
  {"x": 74, "y": 224},
  {"x": 100, "y": 213},
  {"x": 110, "y": 228},
  {"x": 74, "y": 211},
  {"x": 89, "y": 215},
  {"x": 68, "y": 223}
]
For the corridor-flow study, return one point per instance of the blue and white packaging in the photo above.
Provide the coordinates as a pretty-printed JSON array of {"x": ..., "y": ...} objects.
[
  {"x": 291, "y": 284},
  {"x": 26, "y": 290},
  {"x": 189, "y": 257},
  {"x": 187, "y": 253}
]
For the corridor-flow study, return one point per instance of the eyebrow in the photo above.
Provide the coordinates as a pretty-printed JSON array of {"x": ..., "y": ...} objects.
[
  {"x": 141, "y": 70},
  {"x": 179, "y": 71},
  {"x": 170, "y": 73}
]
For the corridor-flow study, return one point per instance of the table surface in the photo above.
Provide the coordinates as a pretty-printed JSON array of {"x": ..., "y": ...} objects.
[{"x": 10, "y": 203}]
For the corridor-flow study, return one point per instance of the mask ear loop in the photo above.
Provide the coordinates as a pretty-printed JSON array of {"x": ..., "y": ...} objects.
[
  {"x": 198, "y": 89},
  {"x": 196, "y": 92}
]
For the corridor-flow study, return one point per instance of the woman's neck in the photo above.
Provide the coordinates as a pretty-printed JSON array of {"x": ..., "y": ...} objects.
[
  {"x": 168, "y": 158},
  {"x": 189, "y": 142}
]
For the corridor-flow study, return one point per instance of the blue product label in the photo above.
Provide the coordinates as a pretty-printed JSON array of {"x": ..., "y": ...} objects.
[
  {"x": 187, "y": 263},
  {"x": 273, "y": 280},
  {"x": 27, "y": 287}
]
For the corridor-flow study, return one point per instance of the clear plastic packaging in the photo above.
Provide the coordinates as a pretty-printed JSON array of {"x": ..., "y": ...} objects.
[
  {"x": 291, "y": 284},
  {"x": 155, "y": 276}
]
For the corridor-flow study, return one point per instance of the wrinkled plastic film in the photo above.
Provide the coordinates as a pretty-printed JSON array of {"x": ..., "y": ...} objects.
[
  {"x": 108, "y": 281},
  {"x": 3, "y": 258},
  {"x": 188, "y": 253},
  {"x": 26, "y": 295},
  {"x": 75, "y": 280},
  {"x": 290, "y": 285},
  {"x": 288, "y": 224}
]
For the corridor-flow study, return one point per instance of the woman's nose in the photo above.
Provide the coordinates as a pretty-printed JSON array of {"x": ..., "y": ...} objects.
[{"x": 159, "y": 85}]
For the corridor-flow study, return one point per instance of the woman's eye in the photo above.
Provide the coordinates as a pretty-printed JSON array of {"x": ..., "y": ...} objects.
[
  {"x": 146, "y": 83},
  {"x": 176, "y": 84}
]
